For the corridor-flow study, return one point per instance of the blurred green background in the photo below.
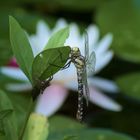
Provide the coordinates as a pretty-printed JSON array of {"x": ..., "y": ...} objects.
[{"x": 119, "y": 17}]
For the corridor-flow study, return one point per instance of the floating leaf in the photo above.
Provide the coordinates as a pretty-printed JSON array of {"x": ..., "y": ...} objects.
[
  {"x": 102, "y": 134},
  {"x": 49, "y": 62},
  {"x": 129, "y": 84},
  {"x": 58, "y": 39},
  {"x": 57, "y": 125},
  {"x": 70, "y": 129},
  {"x": 90, "y": 134},
  {"x": 9, "y": 119},
  {"x": 113, "y": 17},
  {"x": 21, "y": 47}
]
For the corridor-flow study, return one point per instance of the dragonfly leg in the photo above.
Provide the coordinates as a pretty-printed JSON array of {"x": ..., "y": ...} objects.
[
  {"x": 45, "y": 84},
  {"x": 50, "y": 78},
  {"x": 66, "y": 65},
  {"x": 55, "y": 65},
  {"x": 62, "y": 68}
]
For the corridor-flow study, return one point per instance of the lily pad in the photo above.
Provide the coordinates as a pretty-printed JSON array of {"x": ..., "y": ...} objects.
[
  {"x": 122, "y": 19},
  {"x": 129, "y": 84},
  {"x": 63, "y": 128}
]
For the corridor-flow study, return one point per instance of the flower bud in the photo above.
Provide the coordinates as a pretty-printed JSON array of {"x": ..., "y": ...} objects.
[{"x": 37, "y": 127}]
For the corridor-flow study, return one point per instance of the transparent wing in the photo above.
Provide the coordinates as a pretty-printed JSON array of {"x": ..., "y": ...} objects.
[
  {"x": 91, "y": 63},
  {"x": 86, "y": 46},
  {"x": 85, "y": 85}
]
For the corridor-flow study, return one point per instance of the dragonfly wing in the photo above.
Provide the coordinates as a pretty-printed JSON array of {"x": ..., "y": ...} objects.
[
  {"x": 85, "y": 85},
  {"x": 86, "y": 46},
  {"x": 91, "y": 63}
]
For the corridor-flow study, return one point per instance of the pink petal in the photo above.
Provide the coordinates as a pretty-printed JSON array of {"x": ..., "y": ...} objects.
[
  {"x": 13, "y": 63},
  {"x": 51, "y": 100},
  {"x": 103, "y": 101}
]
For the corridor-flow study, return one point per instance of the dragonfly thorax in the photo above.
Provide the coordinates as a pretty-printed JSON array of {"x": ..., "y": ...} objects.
[
  {"x": 75, "y": 52},
  {"x": 79, "y": 62},
  {"x": 77, "y": 58}
]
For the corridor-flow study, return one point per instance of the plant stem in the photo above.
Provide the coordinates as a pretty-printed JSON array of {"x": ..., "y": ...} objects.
[{"x": 31, "y": 104}]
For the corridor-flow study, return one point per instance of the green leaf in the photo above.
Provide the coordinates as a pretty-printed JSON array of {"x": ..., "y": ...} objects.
[
  {"x": 63, "y": 128},
  {"x": 90, "y": 134},
  {"x": 8, "y": 120},
  {"x": 48, "y": 62},
  {"x": 4, "y": 113},
  {"x": 21, "y": 47},
  {"x": 21, "y": 103},
  {"x": 129, "y": 84},
  {"x": 113, "y": 17},
  {"x": 58, "y": 39},
  {"x": 102, "y": 134},
  {"x": 57, "y": 125},
  {"x": 5, "y": 103},
  {"x": 70, "y": 137}
]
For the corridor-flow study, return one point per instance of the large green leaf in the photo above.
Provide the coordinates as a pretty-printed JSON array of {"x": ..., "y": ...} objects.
[
  {"x": 89, "y": 134},
  {"x": 57, "y": 125},
  {"x": 122, "y": 19},
  {"x": 48, "y": 62},
  {"x": 62, "y": 128},
  {"x": 8, "y": 119},
  {"x": 21, "y": 47},
  {"x": 58, "y": 39},
  {"x": 21, "y": 103},
  {"x": 129, "y": 84},
  {"x": 4, "y": 113},
  {"x": 102, "y": 134}
]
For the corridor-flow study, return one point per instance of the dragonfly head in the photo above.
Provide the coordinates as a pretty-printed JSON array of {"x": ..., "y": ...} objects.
[{"x": 75, "y": 51}]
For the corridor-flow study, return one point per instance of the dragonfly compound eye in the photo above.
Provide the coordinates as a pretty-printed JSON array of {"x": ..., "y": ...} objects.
[{"x": 75, "y": 49}]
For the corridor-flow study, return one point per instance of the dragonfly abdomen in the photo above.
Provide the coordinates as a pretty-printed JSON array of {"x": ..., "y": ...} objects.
[{"x": 80, "y": 95}]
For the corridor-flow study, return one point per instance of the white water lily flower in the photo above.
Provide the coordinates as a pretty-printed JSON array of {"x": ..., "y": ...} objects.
[{"x": 68, "y": 78}]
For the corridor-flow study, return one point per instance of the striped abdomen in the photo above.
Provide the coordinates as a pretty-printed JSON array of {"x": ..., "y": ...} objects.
[{"x": 80, "y": 95}]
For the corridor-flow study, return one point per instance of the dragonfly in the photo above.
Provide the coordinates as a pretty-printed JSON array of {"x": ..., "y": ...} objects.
[
  {"x": 84, "y": 65},
  {"x": 40, "y": 87}
]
